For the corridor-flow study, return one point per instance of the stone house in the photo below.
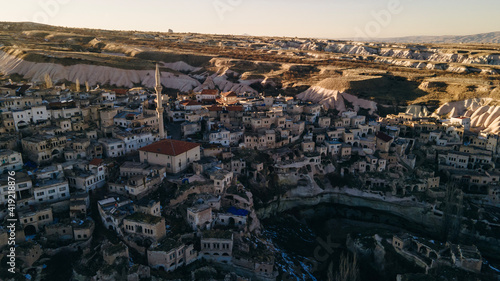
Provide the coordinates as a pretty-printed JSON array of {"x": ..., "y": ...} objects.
[
  {"x": 383, "y": 141},
  {"x": 169, "y": 254},
  {"x": 199, "y": 216},
  {"x": 175, "y": 155},
  {"x": 145, "y": 225},
  {"x": 29, "y": 253},
  {"x": 113, "y": 251},
  {"x": 217, "y": 245},
  {"x": 33, "y": 220},
  {"x": 43, "y": 148},
  {"x": 466, "y": 257}
]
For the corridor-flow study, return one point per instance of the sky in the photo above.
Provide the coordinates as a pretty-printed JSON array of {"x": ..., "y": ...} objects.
[{"x": 291, "y": 18}]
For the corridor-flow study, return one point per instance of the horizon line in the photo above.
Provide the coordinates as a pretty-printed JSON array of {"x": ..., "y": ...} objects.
[{"x": 364, "y": 39}]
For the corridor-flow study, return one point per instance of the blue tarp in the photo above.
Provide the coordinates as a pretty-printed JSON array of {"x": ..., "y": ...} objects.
[
  {"x": 237, "y": 212},
  {"x": 29, "y": 237},
  {"x": 30, "y": 164}
]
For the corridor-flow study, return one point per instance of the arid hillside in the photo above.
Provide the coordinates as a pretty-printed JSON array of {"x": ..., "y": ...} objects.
[{"x": 389, "y": 74}]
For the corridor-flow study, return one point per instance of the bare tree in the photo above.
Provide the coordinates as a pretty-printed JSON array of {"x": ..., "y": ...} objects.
[
  {"x": 348, "y": 269},
  {"x": 48, "y": 81},
  {"x": 77, "y": 85}
]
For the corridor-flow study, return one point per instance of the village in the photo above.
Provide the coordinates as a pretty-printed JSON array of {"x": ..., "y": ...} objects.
[{"x": 178, "y": 181}]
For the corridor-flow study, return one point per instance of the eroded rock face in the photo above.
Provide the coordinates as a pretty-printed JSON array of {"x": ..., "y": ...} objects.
[
  {"x": 418, "y": 110},
  {"x": 387, "y": 72},
  {"x": 484, "y": 112},
  {"x": 94, "y": 74},
  {"x": 412, "y": 211},
  {"x": 332, "y": 99}
]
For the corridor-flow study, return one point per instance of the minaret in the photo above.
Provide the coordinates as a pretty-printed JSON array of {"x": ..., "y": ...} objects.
[{"x": 159, "y": 104}]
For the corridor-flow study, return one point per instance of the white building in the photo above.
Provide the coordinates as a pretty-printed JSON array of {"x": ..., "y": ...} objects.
[
  {"x": 108, "y": 96},
  {"x": 463, "y": 121},
  {"x": 51, "y": 190},
  {"x": 65, "y": 112},
  {"x": 23, "y": 192},
  {"x": 207, "y": 95},
  {"x": 222, "y": 137},
  {"x": 10, "y": 160},
  {"x": 113, "y": 147},
  {"x": 35, "y": 114},
  {"x": 22, "y": 118},
  {"x": 93, "y": 176},
  {"x": 133, "y": 142}
]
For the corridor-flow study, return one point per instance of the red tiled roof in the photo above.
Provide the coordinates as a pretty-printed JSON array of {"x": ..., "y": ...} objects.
[
  {"x": 234, "y": 108},
  {"x": 384, "y": 137},
  {"x": 209, "y": 92},
  {"x": 170, "y": 147},
  {"x": 229, "y": 94},
  {"x": 96, "y": 162},
  {"x": 190, "y": 102},
  {"x": 120, "y": 91},
  {"x": 215, "y": 108}
]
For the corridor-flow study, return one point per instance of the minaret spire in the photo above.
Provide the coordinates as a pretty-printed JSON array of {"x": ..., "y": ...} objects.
[{"x": 159, "y": 102}]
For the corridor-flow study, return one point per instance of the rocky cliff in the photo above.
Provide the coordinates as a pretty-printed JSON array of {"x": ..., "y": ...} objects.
[{"x": 417, "y": 213}]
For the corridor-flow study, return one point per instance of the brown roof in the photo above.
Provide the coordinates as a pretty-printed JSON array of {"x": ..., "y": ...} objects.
[
  {"x": 229, "y": 94},
  {"x": 120, "y": 91},
  {"x": 190, "y": 102},
  {"x": 209, "y": 92},
  {"x": 170, "y": 147},
  {"x": 96, "y": 162},
  {"x": 234, "y": 108},
  {"x": 384, "y": 137},
  {"x": 215, "y": 108}
]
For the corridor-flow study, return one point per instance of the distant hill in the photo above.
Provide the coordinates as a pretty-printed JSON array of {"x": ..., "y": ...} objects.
[{"x": 490, "y": 38}]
